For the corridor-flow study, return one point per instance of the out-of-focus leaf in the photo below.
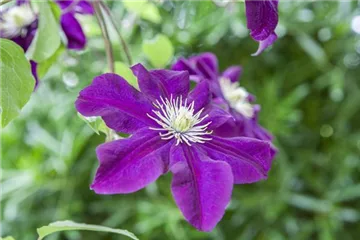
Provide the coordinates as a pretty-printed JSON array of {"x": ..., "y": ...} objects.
[
  {"x": 43, "y": 67},
  {"x": 47, "y": 39},
  {"x": 124, "y": 71},
  {"x": 312, "y": 48},
  {"x": 16, "y": 80},
  {"x": 69, "y": 225},
  {"x": 159, "y": 50},
  {"x": 7, "y": 238},
  {"x": 135, "y": 6},
  {"x": 310, "y": 203},
  {"x": 151, "y": 13},
  {"x": 95, "y": 123},
  {"x": 146, "y": 10},
  {"x": 345, "y": 194}
]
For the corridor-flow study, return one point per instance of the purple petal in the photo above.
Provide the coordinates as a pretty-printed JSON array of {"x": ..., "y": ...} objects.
[
  {"x": 243, "y": 126},
  {"x": 82, "y": 7},
  {"x": 200, "y": 95},
  {"x": 262, "y": 18},
  {"x": 21, "y": 2},
  {"x": 216, "y": 115},
  {"x": 250, "y": 159},
  {"x": 175, "y": 83},
  {"x": 73, "y": 31},
  {"x": 128, "y": 165},
  {"x": 122, "y": 107},
  {"x": 25, "y": 41},
  {"x": 233, "y": 73},
  {"x": 184, "y": 65},
  {"x": 165, "y": 83},
  {"x": 207, "y": 64},
  {"x": 265, "y": 44},
  {"x": 34, "y": 72},
  {"x": 201, "y": 187}
]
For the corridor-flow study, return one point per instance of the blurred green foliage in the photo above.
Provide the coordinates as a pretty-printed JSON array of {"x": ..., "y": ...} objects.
[{"x": 309, "y": 89}]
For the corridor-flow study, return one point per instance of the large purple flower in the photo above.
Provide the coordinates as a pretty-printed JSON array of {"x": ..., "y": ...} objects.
[
  {"x": 171, "y": 129},
  {"x": 228, "y": 94},
  {"x": 262, "y": 19},
  {"x": 70, "y": 25}
]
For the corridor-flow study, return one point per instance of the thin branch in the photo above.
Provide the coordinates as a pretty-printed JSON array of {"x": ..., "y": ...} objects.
[
  {"x": 123, "y": 42},
  {"x": 105, "y": 34}
]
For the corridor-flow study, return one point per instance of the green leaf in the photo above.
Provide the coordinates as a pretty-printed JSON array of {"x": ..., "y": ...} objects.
[
  {"x": 16, "y": 80},
  {"x": 43, "y": 67},
  {"x": 134, "y": 6},
  {"x": 151, "y": 13},
  {"x": 146, "y": 10},
  {"x": 124, "y": 71},
  {"x": 7, "y": 238},
  {"x": 95, "y": 123},
  {"x": 159, "y": 50},
  {"x": 69, "y": 225},
  {"x": 47, "y": 39}
]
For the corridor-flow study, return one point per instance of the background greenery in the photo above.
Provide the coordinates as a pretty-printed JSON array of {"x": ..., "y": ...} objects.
[{"x": 309, "y": 89}]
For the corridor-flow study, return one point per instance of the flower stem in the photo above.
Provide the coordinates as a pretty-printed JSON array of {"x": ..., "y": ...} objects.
[
  {"x": 104, "y": 31},
  {"x": 2, "y": 2},
  {"x": 123, "y": 42}
]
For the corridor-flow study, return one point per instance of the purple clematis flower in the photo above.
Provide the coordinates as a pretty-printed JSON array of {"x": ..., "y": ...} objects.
[
  {"x": 228, "y": 94},
  {"x": 19, "y": 24},
  {"x": 172, "y": 129},
  {"x": 262, "y": 19},
  {"x": 70, "y": 25}
]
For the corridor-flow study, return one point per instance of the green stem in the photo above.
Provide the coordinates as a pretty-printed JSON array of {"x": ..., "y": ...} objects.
[
  {"x": 123, "y": 42},
  {"x": 2, "y": 2},
  {"x": 105, "y": 35}
]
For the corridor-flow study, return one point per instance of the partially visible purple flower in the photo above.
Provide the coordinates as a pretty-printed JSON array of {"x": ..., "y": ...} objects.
[
  {"x": 172, "y": 129},
  {"x": 262, "y": 19},
  {"x": 19, "y": 23},
  {"x": 228, "y": 94},
  {"x": 70, "y": 25}
]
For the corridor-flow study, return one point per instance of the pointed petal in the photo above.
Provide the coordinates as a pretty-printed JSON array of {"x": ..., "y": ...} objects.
[
  {"x": 265, "y": 44},
  {"x": 122, "y": 107},
  {"x": 250, "y": 159},
  {"x": 200, "y": 95},
  {"x": 201, "y": 187},
  {"x": 73, "y": 31},
  {"x": 216, "y": 115},
  {"x": 128, "y": 165},
  {"x": 244, "y": 127},
  {"x": 207, "y": 64},
  {"x": 262, "y": 18},
  {"x": 233, "y": 73},
  {"x": 163, "y": 83},
  {"x": 172, "y": 83},
  {"x": 83, "y": 7},
  {"x": 34, "y": 72}
]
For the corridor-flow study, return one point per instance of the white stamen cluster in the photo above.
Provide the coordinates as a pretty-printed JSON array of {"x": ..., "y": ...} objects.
[
  {"x": 179, "y": 120},
  {"x": 237, "y": 96},
  {"x": 14, "y": 20}
]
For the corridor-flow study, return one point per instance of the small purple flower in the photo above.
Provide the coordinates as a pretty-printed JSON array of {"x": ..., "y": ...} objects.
[
  {"x": 70, "y": 25},
  {"x": 228, "y": 94},
  {"x": 262, "y": 19},
  {"x": 171, "y": 129}
]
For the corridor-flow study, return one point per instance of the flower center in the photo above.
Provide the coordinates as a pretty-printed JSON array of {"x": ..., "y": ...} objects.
[
  {"x": 178, "y": 119},
  {"x": 237, "y": 97},
  {"x": 15, "y": 19}
]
